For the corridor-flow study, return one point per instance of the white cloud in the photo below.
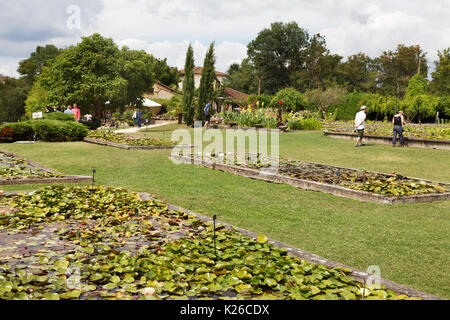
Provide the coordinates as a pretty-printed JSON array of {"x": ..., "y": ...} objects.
[
  {"x": 8, "y": 67},
  {"x": 227, "y": 52},
  {"x": 165, "y": 28}
]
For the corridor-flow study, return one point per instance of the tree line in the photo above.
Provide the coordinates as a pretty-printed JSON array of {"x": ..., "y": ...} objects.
[
  {"x": 287, "y": 56},
  {"x": 96, "y": 74}
]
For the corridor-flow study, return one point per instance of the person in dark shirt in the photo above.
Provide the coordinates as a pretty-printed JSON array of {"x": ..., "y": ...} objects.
[
  {"x": 48, "y": 109},
  {"x": 398, "y": 122}
]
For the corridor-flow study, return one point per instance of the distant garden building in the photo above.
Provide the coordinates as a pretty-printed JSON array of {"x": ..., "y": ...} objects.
[
  {"x": 160, "y": 91},
  {"x": 220, "y": 77}
]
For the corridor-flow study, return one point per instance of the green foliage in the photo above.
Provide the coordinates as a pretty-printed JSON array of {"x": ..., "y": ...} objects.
[
  {"x": 175, "y": 106},
  {"x": 291, "y": 98},
  {"x": 127, "y": 140},
  {"x": 311, "y": 124},
  {"x": 418, "y": 103},
  {"x": 304, "y": 120},
  {"x": 37, "y": 99},
  {"x": 45, "y": 130},
  {"x": 59, "y": 116},
  {"x": 59, "y": 131},
  {"x": 416, "y": 86},
  {"x": 358, "y": 73},
  {"x": 189, "y": 88},
  {"x": 13, "y": 93},
  {"x": 396, "y": 68},
  {"x": 441, "y": 77},
  {"x": 157, "y": 254},
  {"x": 277, "y": 53},
  {"x": 17, "y": 131},
  {"x": 12, "y": 168},
  {"x": 164, "y": 73},
  {"x": 323, "y": 99},
  {"x": 90, "y": 74},
  {"x": 242, "y": 77},
  {"x": 206, "y": 89},
  {"x": 262, "y": 101},
  {"x": 31, "y": 68},
  {"x": 137, "y": 68},
  {"x": 250, "y": 118},
  {"x": 320, "y": 67}
]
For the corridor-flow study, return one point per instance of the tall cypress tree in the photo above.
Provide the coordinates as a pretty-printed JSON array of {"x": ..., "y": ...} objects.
[
  {"x": 206, "y": 90},
  {"x": 189, "y": 88}
]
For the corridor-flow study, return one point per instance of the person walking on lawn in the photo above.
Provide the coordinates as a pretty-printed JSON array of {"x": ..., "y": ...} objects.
[
  {"x": 398, "y": 122},
  {"x": 207, "y": 113},
  {"x": 360, "y": 122}
]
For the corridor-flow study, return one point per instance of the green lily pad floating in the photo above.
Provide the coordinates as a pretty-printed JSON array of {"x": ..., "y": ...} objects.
[
  {"x": 262, "y": 238},
  {"x": 12, "y": 168},
  {"x": 103, "y": 250}
]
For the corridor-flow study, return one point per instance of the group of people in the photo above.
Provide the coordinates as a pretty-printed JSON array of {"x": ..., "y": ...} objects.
[
  {"x": 69, "y": 110},
  {"x": 398, "y": 121}
]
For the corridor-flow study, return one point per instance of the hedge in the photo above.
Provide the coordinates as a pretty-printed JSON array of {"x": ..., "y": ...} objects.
[
  {"x": 44, "y": 130},
  {"x": 59, "y": 116}
]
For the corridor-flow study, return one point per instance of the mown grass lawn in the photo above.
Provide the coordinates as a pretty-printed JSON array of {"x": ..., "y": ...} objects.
[{"x": 410, "y": 243}]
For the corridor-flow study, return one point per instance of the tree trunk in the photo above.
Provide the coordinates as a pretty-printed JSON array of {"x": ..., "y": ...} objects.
[{"x": 98, "y": 113}]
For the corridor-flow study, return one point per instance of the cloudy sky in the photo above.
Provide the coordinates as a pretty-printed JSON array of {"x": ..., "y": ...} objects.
[{"x": 166, "y": 27}]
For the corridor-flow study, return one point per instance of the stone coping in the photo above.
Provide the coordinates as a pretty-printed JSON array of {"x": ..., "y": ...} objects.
[
  {"x": 409, "y": 141},
  {"x": 236, "y": 127},
  {"x": 317, "y": 186},
  {"x": 60, "y": 179},
  {"x": 360, "y": 276},
  {"x": 127, "y": 147}
]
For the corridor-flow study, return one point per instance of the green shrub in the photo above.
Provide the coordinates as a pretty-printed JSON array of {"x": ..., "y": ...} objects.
[
  {"x": 94, "y": 124},
  {"x": 262, "y": 101},
  {"x": 311, "y": 124},
  {"x": 45, "y": 130},
  {"x": 292, "y": 100},
  {"x": 17, "y": 131},
  {"x": 294, "y": 124},
  {"x": 59, "y": 131},
  {"x": 59, "y": 116}
]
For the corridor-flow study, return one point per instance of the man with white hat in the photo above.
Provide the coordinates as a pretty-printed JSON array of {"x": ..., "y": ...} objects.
[{"x": 360, "y": 122}]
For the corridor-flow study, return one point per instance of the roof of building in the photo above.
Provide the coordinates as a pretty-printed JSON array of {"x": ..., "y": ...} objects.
[
  {"x": 166, "y": 87},
  {"x": 3, "y": 78},
  {"x": 199, "y": 70},
  {"x": 236, "y": 95}
]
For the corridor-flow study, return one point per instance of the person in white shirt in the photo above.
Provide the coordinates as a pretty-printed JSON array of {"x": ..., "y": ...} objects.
[{"x": 360, "y": 122}]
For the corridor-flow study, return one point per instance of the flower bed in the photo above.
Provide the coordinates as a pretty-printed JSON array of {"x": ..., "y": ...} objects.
[
  {"x": 352, "y": 183},
  {"x": 15, "y": 170},
  {"x": 268, "y": 119},
  {"x": 426, "y": 131},
  {"x": 107, "y": 243},
  {"x": 123, "y": 141}
]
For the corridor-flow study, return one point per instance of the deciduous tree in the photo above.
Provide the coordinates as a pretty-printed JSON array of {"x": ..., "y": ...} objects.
[
  {"x": 441, "y": 77},
  {"x": 396, "y": 68},
  {"x": 277, "y": 54}
]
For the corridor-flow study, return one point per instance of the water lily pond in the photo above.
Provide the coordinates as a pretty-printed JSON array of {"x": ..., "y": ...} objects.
[
  {"x": 108, "y": 243},
  {"x": 12, "y": 168},
  {"x": 385, "y": 184},
  {"x": 128, "y": 140}
]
